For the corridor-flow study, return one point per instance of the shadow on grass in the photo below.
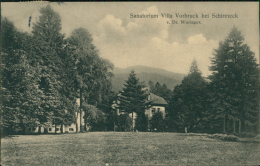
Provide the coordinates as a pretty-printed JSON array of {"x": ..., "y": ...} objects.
[
  {"x": 8, "y": 136},
  {"x": 249, "y": 140}
]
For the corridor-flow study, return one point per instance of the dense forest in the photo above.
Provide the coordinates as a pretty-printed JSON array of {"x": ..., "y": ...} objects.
[{"x": 44, "y": 73}]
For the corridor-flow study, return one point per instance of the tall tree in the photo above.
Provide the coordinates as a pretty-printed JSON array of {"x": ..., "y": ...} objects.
[
  {"x": 259, "y": 100},
  {"x": 82, "y": 53},
  {"x": 9, "y": 59},
  {"x": 47, "y": 46},
  {"x": 189, "y": 100},
  {"x": 20, "y": 94},
  {"x": 151, "y": 86},
  {"x": 166, "y": 93},
  {"x": 91, "y": 74},
  {"x": 100, "y": 93},
  {"x": 235, "y": 81},
  {"x": 133, "y": 98},
  {"x": 159, "y": 90}
]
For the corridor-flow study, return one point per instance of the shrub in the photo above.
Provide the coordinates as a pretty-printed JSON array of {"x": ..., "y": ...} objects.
[
  {"x": 157, "y": 122},
  {"x": 225, "y": 137},
  {"x": 95, "y": 117},
  {"x": 232, "y": 138},
  {"x": 246, "y": 135},
  {"x": 124, "y": 122},
  {"x": 141, "y": 122}
]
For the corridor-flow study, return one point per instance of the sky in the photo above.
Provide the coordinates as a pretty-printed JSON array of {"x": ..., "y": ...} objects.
[{"x": 152, "y": 42}]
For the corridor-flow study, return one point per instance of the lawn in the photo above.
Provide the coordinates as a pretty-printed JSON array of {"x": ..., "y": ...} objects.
[{"x": 122, "y": 148}]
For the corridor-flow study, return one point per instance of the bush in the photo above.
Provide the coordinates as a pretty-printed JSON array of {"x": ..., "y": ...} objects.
[
  {"x": 225, "y": 137},
  {"x": 124, "y": 122},
  {"x": 246, "y": 135},
  {"x": 94, "y": 117},
  {"x": 141, "y": 122},
  {"x": 157, "y": 122},
  {"x": 232, "y": 138},
  {"x": 111, "y": 120}
]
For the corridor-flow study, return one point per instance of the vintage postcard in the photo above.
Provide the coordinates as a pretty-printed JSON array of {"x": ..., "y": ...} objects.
[{"x": 130, "y": 83}]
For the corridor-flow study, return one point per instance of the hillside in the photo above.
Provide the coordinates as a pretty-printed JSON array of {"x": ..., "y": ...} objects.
[{"x": 146, "y": 74}]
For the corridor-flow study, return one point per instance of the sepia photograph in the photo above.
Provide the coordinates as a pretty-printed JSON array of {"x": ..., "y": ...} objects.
[{"x": 130, "y": 83}]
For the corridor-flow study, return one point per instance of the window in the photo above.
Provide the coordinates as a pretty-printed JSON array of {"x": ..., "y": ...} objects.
[
  {"x": 50, "y": 129},
  {"x": 34, "y": 129},
  {"x": 153, "y": 110},
  {"x": 120, "y": 111},
  {"x": 158, "y": 109},
  {"x": 29, "y": 129},
  {"x": 57, "y": 129},
  {"x": 71, "y": 129}
]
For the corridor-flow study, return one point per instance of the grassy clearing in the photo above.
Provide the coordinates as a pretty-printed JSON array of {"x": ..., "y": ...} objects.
[{"x": 99, "y": 148}]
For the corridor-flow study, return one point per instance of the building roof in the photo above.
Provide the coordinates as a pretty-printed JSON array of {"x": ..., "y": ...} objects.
[{"x": 157, "y": 100}]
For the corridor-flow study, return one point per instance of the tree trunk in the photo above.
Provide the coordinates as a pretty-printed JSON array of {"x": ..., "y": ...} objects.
[
  {"x": 55, "y": 128},
  {"x": 148, "y": 124},
  {"x": 234, "y": 125},
  {"x": 85, "y": 122},
  {"x": 77, "y": 115},
  {"x": 61, "y": 128},
  {"x": 80, "y": 107},
  {"x": 114, "y": 126},
  {"x": 239, "y": 126},
  {"x": 228, "y": 125},
  {"x": 39, "y": 130},
  {"x": 224, "y": 124},
  {"x": 133, "y": 121}
]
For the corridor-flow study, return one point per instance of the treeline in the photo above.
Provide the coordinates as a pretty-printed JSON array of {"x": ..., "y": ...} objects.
[
  {"x": 160, "y": 90},
  {"x": 44, "y": 72},
  {"x": 226, "y": 101}
]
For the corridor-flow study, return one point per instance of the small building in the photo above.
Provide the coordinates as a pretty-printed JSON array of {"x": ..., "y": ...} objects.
[
  {"x": 51, "y": 129},
  {"x": 70, "y": 128},
  {"x": 37, "y": 129},
  {"x": 158, "y": 104},
  {"x": 34, "y": 129},
  {"x": 64, "y": 128}
]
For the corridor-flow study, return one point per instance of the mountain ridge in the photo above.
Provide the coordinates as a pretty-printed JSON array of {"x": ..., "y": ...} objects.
[{"x": 146, "y": 74}]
